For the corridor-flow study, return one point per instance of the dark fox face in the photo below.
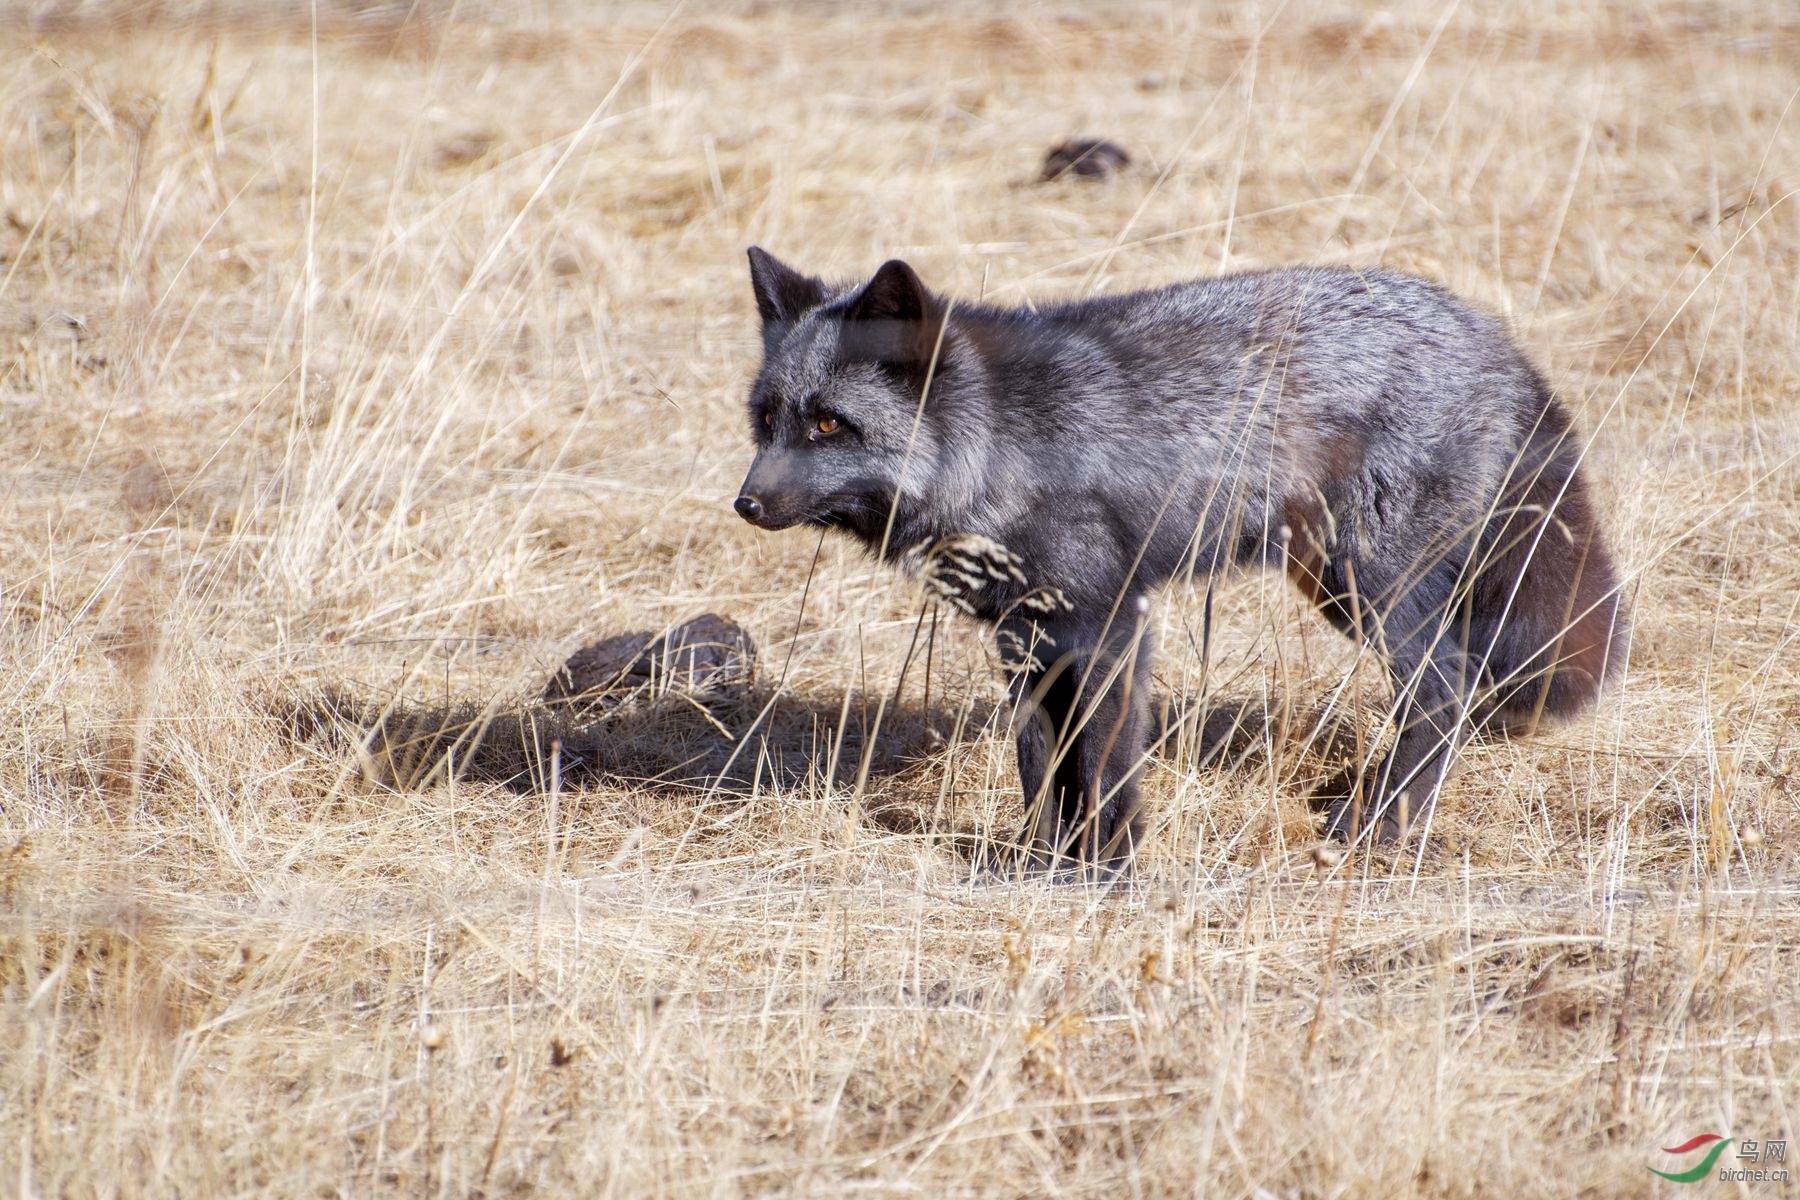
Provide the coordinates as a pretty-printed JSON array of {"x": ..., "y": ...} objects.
[{"x": 835, "y": 411}]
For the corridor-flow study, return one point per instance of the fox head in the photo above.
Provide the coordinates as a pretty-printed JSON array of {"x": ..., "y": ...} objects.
[{"x": 845, "y": 433}]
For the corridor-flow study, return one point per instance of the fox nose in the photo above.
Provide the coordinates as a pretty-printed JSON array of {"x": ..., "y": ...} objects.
[{"x": 748, "y": 507}]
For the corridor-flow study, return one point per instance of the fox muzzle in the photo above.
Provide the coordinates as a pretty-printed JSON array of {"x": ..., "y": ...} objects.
[{"x": 767, "y": 499}]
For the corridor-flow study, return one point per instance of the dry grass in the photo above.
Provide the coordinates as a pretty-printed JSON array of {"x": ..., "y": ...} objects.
[{"x": 405, "y": 356}]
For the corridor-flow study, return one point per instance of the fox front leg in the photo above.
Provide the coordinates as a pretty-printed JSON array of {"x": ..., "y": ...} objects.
[
  {"x": 1110, "y": 737},
  {"x": 1043, "y": 700},
  {"x": 1081, "y": 721}
]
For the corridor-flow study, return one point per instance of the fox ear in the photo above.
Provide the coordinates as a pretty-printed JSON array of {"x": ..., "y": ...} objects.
[
  {"x": 895, "y": 318},
  {"x": 896, "y": 293},
  {"x": 782, "y": 293}
]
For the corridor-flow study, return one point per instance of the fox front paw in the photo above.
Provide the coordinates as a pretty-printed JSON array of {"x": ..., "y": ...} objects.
[
  {"x": 1017, "y": 862},
  {"x": 1353, "y": 804}
]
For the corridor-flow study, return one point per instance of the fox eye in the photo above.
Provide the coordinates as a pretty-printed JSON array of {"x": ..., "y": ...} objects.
[
  {"x": 768, "y": 419},
  {"x": 828, "y": 425}
]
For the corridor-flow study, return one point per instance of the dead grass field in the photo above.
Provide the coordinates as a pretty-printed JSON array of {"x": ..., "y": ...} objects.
[{"x": 402, "y": 354}]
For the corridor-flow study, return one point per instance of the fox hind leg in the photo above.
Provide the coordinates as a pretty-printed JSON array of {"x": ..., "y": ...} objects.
[
  {"x": 1412, "y": 622},
  {"x": 1397, "y": 793}
]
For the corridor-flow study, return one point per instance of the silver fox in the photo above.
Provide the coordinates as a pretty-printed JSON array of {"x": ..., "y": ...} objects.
[{"x": 1386, "y": 444}]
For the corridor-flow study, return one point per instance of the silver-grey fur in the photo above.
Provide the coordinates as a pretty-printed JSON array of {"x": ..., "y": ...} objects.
[{"x": 1385, "y": 443}]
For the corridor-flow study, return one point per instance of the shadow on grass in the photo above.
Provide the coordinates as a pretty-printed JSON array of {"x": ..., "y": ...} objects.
[
  {"x": 753, "y": 739},
  {"x": 676, "y": 742}
]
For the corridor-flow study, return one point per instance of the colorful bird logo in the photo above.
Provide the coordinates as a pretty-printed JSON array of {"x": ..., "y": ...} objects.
[{"x": 1706, "y": 1164}]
